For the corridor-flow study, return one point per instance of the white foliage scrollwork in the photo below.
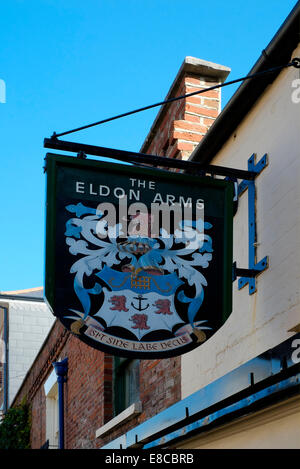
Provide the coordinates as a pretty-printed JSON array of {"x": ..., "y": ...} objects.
[{"x": 184, "y": 253}]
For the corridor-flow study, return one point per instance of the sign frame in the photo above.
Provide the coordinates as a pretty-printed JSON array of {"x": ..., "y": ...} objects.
[{"x": 54, "y": 162}]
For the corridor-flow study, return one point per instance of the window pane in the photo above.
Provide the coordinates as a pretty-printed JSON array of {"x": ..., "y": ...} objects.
[
  {"x": 126, "y": 383},
  {"x": 133, "y": 377}
]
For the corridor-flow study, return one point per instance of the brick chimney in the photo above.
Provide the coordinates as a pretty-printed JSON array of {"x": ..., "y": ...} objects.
[{"x": 181, "y": 125}]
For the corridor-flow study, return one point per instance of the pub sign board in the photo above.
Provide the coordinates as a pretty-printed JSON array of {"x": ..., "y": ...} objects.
[{"x": 138, "y": 260}]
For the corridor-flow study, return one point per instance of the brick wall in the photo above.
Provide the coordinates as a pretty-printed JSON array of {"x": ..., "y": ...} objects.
[
  {"x": 181, "y": 125},
  {"x": 160, "y": 384},
  {"x": 88, "y": 391}
]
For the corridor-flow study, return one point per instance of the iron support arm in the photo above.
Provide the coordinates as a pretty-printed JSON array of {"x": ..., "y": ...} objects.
[{"x": 154, "y": 160}]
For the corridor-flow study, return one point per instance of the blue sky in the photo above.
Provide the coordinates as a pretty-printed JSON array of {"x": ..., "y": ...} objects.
[{"x": 68, "y": 63}]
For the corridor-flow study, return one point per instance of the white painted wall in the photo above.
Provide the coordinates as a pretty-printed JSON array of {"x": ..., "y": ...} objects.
[
  {"x": 262, "y": 320},
  {"x": 29, "y": 324},
  {"x": 275, "y": 427}
]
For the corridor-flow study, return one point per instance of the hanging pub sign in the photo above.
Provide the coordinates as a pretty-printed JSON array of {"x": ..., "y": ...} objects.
[{"x": 138, "y": 260}]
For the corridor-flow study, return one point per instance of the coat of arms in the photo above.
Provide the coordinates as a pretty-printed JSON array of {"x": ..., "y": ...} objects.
[{"x": 139, "y": 295}]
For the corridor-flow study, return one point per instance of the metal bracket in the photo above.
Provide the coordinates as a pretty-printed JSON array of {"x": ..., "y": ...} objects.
[
  {"x": 140, "y": 158},
  {"x": 255, "y": 268},
  {"x": 248, "y": 182}
]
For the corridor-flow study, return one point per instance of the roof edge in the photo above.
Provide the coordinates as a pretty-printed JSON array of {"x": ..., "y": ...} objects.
[{"x": 277, "y": 52}]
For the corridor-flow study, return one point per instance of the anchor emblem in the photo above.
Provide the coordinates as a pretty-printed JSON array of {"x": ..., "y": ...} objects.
[{"x": 140, "y": 299}]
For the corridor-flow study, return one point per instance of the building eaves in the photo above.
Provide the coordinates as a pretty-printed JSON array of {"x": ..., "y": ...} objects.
[
  {"x": 30, "y": 294},
  {"x": 278, "y": 52}
]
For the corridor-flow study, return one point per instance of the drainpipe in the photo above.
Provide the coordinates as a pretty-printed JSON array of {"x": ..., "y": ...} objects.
[{"x": 61, "y": 370}]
